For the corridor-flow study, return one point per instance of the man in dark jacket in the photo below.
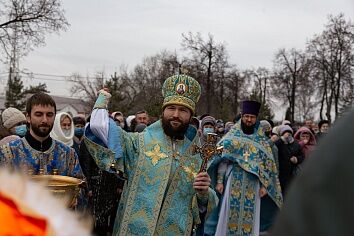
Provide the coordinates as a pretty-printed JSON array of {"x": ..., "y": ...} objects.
[{"x": 289, "y": 155}]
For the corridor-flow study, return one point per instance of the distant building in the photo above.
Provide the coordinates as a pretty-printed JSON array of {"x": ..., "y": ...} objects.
[{"x": 73, "y": 106}]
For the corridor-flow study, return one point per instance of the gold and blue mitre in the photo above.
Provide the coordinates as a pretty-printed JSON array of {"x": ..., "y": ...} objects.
[{"x": 181, "y": 90}]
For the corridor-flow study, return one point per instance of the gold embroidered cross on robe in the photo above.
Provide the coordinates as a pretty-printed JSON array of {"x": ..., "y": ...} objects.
[{"x": 156, "y": 155}]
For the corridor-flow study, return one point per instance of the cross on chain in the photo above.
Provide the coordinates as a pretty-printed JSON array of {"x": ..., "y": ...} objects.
[
  {"x": 207, "y": 150},
  {"x": 246, "y": 155}
]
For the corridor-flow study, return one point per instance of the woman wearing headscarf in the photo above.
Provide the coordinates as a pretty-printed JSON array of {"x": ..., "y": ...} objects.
[
  {"x": 289, "y": 154},
  {"x": 63, "y": 128},
  {"x": 306, "y": 139}
]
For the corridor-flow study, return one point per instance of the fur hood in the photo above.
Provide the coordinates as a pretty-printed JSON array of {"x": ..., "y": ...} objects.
[{"x": 306, "y": 130}]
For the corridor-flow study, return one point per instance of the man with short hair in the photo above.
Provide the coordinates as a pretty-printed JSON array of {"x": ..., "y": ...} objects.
[
  {"x": 37, "y": 152},
  {"x": 164, "y": 194},
  {"x": 308, "y": 123},
  {"x": 323, "y": 127},
  {"x": 246, "y": 172},
  {"x": 142, "y": 117}
]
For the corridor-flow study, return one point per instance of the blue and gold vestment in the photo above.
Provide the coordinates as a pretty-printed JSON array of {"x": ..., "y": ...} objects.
[
  {"x": 158, "y": 197},
  {"x": 58, "y": 159},
  {"x": 252, "y": 164}
]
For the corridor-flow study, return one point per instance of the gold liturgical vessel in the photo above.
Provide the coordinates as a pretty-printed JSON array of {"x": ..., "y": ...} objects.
[{"x": 64, "y": 187}]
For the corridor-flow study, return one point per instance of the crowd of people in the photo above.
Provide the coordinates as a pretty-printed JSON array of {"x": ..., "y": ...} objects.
[{"x": 142, "y": 175}]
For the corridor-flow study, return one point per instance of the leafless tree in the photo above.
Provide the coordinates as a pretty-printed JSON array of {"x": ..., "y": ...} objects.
[
  {"x": 26, "y": 22},
  {"x": 131, "y": 91},
  {"x": 206, "y": 58},
  {"x": 291, "y": 69},
  {"x": 235, "y": 87},
  {"x": 260, "y": 78},
  {"x": 87, "y": 87},
  {"x": 333, "y": 57},
  {"x": 149, "y": 76}
]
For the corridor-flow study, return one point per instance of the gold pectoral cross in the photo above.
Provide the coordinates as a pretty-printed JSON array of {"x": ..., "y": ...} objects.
[
  {"x": 207, "y": 150},
  {"x": 246, "y": 155}
]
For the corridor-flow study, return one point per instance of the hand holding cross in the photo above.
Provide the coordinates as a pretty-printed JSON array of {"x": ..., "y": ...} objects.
[{"x": 207, "y": 150}]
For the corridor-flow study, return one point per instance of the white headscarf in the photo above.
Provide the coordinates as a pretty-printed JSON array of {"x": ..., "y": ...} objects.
[{"x": 57, "y": 132}]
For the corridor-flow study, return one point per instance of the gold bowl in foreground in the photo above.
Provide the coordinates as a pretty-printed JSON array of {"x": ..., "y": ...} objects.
[{"x": 64, "y": 187}]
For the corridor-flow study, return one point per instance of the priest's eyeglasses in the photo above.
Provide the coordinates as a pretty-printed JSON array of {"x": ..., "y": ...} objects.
[{"x": 249, "y": 117}]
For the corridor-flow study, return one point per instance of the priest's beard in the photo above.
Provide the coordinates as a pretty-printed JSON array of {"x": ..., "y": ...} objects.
[
  {"x": 247, "y": 129},
  {"x": 42, "y": 130},
  {"x": 174, "y": 133}
]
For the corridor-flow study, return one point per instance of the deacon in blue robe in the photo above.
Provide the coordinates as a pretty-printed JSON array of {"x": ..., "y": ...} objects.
[{"x": 244, "y": 173}]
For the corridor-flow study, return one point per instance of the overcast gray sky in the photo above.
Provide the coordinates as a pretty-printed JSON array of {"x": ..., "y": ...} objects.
[{"x": 105, "y": 34}]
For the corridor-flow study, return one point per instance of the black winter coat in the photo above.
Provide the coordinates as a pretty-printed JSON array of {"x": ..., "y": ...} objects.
[{"x": 286, "y": 167}]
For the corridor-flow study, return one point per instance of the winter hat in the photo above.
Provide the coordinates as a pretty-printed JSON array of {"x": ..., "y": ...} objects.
[
  {"x": 116, "y": 113},
  {"x": 275, "y": 130},
  {"x": 220, "y": 123},
  {"x": 285, "y": 128},
  {"x": 286, "y": 122},
  {"x": 229, "y": 124},
  {"x": 12, "y": 116},
  {"x": 129, "y": 119},
  {"x": 195, "y": 121},
  {"x": 208, "y": 120},
  {"x": 265, "y": 125}
]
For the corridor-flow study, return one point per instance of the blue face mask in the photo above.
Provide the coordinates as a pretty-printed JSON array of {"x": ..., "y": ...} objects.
[
  {"x": 21, "y": 130},
  {"x": 79, "y": 132},
  {"x": 207, "y": 131}
]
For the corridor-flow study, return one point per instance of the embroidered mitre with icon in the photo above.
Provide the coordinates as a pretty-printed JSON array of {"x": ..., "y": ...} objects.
[{"x": 181, "y": 90}]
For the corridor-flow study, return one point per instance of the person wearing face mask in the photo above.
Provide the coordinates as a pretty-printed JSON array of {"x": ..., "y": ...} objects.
[
  {"x": 37, "y": 153},
  {"x": 290, "y": 156},
  {"x": 63, "y": 128},
  {"x": 207, "y": 126},
  {"x": 79, "y": 124},
  {"x": 14, "y": 123}
]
